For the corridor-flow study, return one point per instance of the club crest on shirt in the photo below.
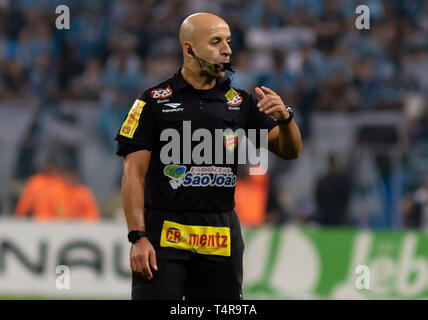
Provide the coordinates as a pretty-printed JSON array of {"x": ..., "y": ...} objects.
[
  {"x": 234, "y": 98},
  {"x": 230, "y": 141}
]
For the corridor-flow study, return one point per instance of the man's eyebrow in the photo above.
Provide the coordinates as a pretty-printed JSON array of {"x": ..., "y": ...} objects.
[{"x": 219, "y": 38}]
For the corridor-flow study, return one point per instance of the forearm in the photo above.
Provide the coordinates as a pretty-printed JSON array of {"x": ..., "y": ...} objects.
[
  {"x": 133, "y": 201},
  {"x": 289, "y": 141}
]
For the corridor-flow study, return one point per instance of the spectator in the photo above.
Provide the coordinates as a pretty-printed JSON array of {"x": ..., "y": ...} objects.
[
  {"x": 43, "y": 197},
  {"x": 34, "y": 41},
  {"x": 123, "y": 68},
  {"x": 415, "y": 208},
  {"x": 80, "y": 202},
  {"x": 55, "y": 194},
  {"x": 275, "y": 213},
  {"x": 43, "y": 84},
  {"x": 251, "y": 197},
  {"x": 332, "y": 196},
  {"x": 89, "y": 31},
  {"x": 114, "y": 107},
  {"x": 15, "y": 80},
  {"x": 88, "y": 85},
  {"x": 338, "y": 95},
  {"x": 365, "y": 82},
  {"x": 418, "y": 128}
]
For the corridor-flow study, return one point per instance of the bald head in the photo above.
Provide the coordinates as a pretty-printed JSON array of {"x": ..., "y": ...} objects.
[{"x": 199, "y": 25}]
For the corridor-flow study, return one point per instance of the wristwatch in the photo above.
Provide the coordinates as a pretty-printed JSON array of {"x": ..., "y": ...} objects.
[
  {"x": 135, "y": 235},
  {"x": 290, "y": 117}
]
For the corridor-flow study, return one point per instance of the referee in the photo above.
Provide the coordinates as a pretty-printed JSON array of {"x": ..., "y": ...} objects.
[{"x": 185, "y": 236}]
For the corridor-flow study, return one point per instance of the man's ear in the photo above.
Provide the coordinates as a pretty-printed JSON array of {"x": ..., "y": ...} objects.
[{"x": 188, "y": 48}]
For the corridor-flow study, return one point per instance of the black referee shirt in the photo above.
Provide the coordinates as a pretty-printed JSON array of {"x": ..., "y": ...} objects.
[{"x": 186, "y": 185}]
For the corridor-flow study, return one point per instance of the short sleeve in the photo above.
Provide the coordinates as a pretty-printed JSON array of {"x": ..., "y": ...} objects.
[
  {"x": 257, "y": 119},
  {"x": 139, "y": 127}
]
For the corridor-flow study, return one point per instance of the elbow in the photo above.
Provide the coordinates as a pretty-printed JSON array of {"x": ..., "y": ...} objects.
[
  {"x": 292, "y": 154},
  {"x": 298, "y": 152},
  {"x": 298, "y": 149}
]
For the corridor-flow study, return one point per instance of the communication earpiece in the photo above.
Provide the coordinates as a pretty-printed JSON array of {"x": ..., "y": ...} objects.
[{"x": 226, "y": 66}]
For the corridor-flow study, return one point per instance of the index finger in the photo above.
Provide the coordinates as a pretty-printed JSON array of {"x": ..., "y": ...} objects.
[
  {"x": 259, "y": 92},
  {"x": 146, "y": 268},
  {"x": 267, "y": 90}
]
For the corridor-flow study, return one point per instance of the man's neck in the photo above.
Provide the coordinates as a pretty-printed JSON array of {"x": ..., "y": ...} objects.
[{"x": 196, "y": 81}]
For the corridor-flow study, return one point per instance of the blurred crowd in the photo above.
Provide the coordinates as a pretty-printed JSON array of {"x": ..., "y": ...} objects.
[{"x": 309, "y": 51}]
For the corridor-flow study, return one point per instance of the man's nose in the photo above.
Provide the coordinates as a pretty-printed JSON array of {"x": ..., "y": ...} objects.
[{"x": 226, "y": 51}]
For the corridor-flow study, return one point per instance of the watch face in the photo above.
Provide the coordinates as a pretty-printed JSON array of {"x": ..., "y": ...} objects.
[{"x": 134, "y": 236}]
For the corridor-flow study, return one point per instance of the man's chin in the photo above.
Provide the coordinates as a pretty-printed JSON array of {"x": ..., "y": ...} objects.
[
  {"x": 218, "y": 74},
  {"x": 215, "y": 73},
  {"x": 222, "y": 73}
]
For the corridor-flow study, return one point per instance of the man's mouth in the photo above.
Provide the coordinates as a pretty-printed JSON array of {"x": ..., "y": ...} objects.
[{"x": 220, "y": 67}]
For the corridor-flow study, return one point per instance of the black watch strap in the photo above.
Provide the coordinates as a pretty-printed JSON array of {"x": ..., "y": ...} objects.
[
  {"x": 135, "y": 235},
  {"x": 290, "y": 117}
]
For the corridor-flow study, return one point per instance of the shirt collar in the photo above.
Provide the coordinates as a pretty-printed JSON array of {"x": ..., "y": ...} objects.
[{"x": 180, "y": 82}]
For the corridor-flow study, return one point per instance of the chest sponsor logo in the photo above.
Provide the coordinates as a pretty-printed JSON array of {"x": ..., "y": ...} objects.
[
  {"x": 161, "y": 93},
  {"x": 200, "y": 176},
  {"x": 198, "y": 239},
  {"x": 131, "y": 122},
  {"x": 234, "y": 99},
  {"x": 173, "y": 107}
]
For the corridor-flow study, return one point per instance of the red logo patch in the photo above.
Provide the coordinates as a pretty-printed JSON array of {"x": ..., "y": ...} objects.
[
  {"x": 230, "y": 141},
  {"x": 236, "y": 101},
  {"x": 161, "y": 93}
]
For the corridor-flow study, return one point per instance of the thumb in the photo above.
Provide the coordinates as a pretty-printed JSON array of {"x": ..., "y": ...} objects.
[{"x": 260, "y": 94}]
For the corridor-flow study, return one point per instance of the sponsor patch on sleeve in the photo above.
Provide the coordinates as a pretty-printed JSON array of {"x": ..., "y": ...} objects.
[
  {"x": 131, "y": 122},
  {"x": 161, "y": 93},
  {"x": 198, "y": 239}
]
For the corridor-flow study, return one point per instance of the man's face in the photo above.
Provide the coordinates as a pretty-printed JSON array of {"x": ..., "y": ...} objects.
[{"x": 214, "y": 47}]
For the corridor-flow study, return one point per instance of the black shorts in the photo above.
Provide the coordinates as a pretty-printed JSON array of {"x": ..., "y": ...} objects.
[{"x": 187, "y": 274}]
